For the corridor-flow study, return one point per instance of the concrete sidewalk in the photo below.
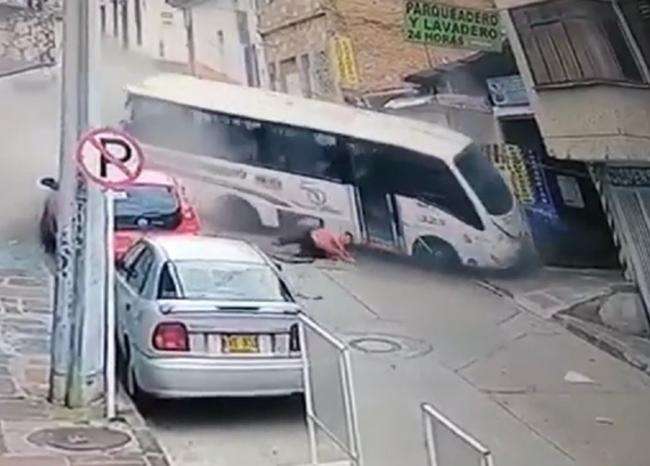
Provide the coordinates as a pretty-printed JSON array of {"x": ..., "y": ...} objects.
[
  {"x": 547, "y": 291},
  {"x": 73, "y": 437},
  {"x": 526, "y": 387},
  {"x": 575, "y": 299}
]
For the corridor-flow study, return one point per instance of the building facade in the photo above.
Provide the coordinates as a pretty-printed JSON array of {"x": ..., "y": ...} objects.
[
  {"x": 125, "y": 20},
  {"x": 346, "y": 49},
  {"x": 222, "y": 35},
  {"x": 585, "y": 65}
]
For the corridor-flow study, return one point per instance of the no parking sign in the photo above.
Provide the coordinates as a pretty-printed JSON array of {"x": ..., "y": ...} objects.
[{"x": 109, "y": 157}]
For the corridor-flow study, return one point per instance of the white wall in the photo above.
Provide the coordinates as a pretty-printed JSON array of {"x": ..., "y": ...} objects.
[
  {"x": 165, "y": 36},
  {"x": 217, "y": 40},
  {"x": 225, "y": 52}
]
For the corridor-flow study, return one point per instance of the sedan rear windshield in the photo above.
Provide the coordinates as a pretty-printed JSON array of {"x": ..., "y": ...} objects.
[
  {"x": 485, "y": 181},
  {"x": 236, "y": 281},
  {"x": 147, "y": 208}
]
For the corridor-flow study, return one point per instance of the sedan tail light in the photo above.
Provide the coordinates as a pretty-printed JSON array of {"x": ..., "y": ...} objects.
[
  {"x": 171, "y": 337},
  {"x": 294, "y": 338}
]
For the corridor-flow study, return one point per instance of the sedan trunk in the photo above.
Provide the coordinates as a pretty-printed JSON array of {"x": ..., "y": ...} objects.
[{"x": 237, "y": 330}]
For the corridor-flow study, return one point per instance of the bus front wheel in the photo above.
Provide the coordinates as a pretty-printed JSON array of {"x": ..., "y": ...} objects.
[{"x": 434, "y": 252}]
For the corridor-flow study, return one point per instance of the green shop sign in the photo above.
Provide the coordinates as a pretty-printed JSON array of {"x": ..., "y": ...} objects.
[{"x": 452, "y": 26}]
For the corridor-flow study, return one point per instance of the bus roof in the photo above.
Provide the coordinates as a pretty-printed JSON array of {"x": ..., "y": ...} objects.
[{"x": 275, "y": 107}]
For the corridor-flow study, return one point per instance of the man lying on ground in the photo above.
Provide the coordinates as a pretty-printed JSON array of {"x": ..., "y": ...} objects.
[{"x": 320, "y": 243}]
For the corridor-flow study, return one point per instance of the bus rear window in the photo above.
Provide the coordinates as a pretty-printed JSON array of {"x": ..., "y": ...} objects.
[{"x": 485, "y": 181}]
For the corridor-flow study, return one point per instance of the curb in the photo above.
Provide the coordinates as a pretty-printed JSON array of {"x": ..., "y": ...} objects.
[
  {"x": 149, "y": 444},
  {"x": 603, "y": 339},
  {"x": 23, "y": 69},
  {"x": 495, "y": 289}
]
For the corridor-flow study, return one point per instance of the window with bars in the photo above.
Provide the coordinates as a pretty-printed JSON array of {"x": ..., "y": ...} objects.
[
  {"x": 573, "y": 41},
  {"x": 305, "y": 75}
]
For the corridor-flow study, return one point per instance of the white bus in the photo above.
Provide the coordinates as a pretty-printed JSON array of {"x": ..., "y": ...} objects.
[{"x": 396, "y": 184}]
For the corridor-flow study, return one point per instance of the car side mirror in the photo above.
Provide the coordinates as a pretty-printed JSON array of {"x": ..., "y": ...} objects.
[{"x": 50, "y": 183}]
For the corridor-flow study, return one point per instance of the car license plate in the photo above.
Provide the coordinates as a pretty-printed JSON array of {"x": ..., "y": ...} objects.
[{"x": 240, "y": 344}]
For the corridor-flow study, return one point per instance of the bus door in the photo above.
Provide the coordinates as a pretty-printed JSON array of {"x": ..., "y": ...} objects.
[{"x": 377, "y": 202}]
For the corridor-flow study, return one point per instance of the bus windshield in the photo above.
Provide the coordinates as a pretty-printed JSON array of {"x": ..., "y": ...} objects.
[{"x": 485, "y": 181}]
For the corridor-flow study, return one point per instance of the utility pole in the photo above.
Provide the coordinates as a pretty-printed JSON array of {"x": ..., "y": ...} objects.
[{"x": 77, "y": 357}]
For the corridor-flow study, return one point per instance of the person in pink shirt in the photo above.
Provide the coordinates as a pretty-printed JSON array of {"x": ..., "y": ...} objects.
[{"x": 321, "y": 243}]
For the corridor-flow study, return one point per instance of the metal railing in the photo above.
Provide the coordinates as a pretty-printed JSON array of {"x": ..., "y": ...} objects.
[
  {"x": 329, "y": 393},
  {"x": 449, "y": 445}
]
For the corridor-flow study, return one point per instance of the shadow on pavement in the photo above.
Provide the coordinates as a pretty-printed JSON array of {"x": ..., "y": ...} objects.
[{"x": 227, "y": 412}]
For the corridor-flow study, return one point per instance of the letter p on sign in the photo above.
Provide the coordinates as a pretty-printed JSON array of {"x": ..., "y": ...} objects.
[{"x": 109, "y": 158}]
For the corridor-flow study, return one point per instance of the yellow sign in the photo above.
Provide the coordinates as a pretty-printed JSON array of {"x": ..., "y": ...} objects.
[
  {"x": 346, "y": 64},
  {"x": 509, "y": 160}
]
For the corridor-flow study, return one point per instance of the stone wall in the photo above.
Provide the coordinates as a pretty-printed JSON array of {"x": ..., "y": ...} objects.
[
  {"x": 30, "y": 36},
  {"x": 291, "y": 28}
]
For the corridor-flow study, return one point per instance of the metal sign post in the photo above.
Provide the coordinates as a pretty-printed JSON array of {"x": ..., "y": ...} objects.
[
  {"x": 110, "y": 159},
  {"x": 110, "y": 305}
]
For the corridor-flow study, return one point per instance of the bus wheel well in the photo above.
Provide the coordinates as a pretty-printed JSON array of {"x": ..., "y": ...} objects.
[
  {"x": 291, "y": 222},
  {"x": 434, "y": 251},
  {"x": 236, "y": 213}
]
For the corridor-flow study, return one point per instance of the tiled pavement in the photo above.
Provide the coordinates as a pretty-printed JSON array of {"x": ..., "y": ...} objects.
[{"x": 25, "y": 323}]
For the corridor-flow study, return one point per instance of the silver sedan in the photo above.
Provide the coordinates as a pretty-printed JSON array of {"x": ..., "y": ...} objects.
[{"x": 205, "y": 317}]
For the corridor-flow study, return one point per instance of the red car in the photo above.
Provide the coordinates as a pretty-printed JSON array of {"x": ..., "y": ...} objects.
[{"x": 155, "y": 203}]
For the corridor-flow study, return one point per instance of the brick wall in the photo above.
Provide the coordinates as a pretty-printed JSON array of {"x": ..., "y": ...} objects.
[
  {"x": 291, "y": 28},
  {"x": 280, "y": 12},
  {"x": 383, "y": 55}
]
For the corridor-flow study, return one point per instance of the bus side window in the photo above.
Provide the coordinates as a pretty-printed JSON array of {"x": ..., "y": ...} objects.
[{"x": 273, "y": 147}]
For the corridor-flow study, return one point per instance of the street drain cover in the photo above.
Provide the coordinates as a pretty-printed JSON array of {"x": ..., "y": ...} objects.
[
  {"x": 375, "y": 345},
  {"x": 383, "y": 344},
  {"x": 79, "y": 438}
]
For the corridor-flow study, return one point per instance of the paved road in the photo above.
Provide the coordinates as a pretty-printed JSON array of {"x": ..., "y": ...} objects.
[
  {"x": 232, "y": 432},
  {"x": 28, "y": 149},
  {"x": 495, "y": 369},
  {"x": 29, "y": 146}
]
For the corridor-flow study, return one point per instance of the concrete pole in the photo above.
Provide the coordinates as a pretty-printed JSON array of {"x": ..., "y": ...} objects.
[
  {"x": 191, "y": 49},
  {"x": 125, "y": 23},
  {"x": 76, "y": 369}
]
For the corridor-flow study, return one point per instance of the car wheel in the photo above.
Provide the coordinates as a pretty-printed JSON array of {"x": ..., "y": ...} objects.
[
  {"x": 142, "y": 399},
  {"x": 434, "y": 252}
]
